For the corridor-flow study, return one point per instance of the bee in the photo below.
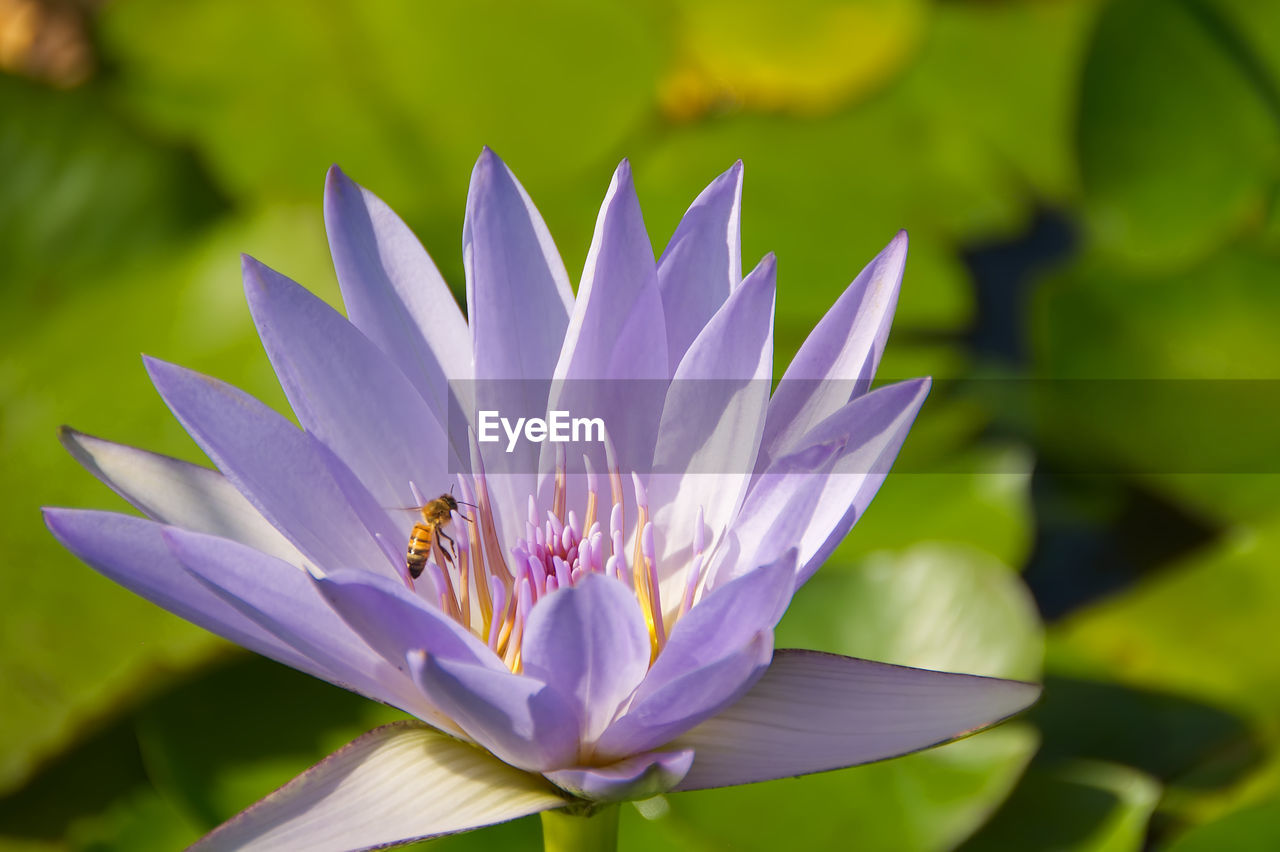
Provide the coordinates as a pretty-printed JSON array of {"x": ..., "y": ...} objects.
[{"x": 428, "y": 532}]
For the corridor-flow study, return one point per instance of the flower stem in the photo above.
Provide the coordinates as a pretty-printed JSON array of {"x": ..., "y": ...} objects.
[{"x": 566, "y": 831}]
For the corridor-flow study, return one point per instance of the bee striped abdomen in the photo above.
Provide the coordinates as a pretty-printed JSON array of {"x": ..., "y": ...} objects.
[{"x": 420, "y": 541}]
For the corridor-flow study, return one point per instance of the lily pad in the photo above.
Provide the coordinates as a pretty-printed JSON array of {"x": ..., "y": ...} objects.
[
  {"x": 1178, "y": 144},
  {"x": 1074, "y": 807},
  {"x": 808, "y": 57}
]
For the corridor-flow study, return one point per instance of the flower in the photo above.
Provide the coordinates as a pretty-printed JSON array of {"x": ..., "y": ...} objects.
[{"x": 602, "y": 633}]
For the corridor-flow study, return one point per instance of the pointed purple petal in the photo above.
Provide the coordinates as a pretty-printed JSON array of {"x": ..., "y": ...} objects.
[
  {"x": 272, "y": 463},
  {"x": 394, "y": 621},
  {"x": 178, "y": 493},
  {"x": 712, "y": 419},
  {"x": 518, "y": 305},
  {"x": 280, "y": 598},
  {"x": 518, "y": 294},
  {"x": 346, "y": 392},
  {"x": 591, "y": 644},
  {"x": 812, "y": 712},
  {"x": 616, "y": 337},
  {"x": 616, "y": 330},
  {"x": 637, "y": 777},
  {"x": 830, "y": 489},
  {"x": 132, "y": 552},
  {"x": 520, "y": 719},
  {"x": 838, "y": 360},
  {"x": 393, "y": 291},
  {"x": 398, "y": 783},
  {"x": 703, "y": 262}
]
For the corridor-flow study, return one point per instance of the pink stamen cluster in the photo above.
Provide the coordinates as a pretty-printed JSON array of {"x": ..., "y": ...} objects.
[{"x": 558, "y": 549}]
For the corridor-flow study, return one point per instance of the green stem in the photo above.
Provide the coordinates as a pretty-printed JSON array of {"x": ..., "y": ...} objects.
[{"x": 567, "y": 831}]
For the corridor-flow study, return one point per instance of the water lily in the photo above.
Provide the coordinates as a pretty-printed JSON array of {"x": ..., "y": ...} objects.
[{"x": 577, "y": 636}]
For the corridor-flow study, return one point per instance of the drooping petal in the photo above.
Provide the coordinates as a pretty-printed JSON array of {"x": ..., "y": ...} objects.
[
  {"x": 178, "y": 493},
  {"x": 520, "y": 719},
  {"x": 834, "y": 488},
  {"x": 637, "y": 777},
  {"x": 615, "y": 348},
  {"x": 132, "y": 552},
  {"x": 812, "y": 712},
  {"x": 394, "y": 621},
  {"x": 281, "y": 599},
  {"x": 272, "y": 463},
  {"x": 702, "y": 263},
  {"x": 838, "y": 360},
  {"x": 590, "y": 643},
  {"x": 712, "y": 419},
  {"x": 518, "y": 305},
  {"x": 397, "y": 783},
  {"x": 346, "y": 392},
  {"x": 393, "y": 291}
]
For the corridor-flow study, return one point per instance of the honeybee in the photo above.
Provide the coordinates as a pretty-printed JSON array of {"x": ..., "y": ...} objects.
[{"x": 435, "y": 514}]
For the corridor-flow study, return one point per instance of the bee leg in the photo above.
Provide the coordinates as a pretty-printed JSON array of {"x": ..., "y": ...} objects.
[{"x": 453, "y": 545}]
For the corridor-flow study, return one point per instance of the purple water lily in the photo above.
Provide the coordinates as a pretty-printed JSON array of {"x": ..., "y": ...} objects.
[{"x": 601, "y": 634}]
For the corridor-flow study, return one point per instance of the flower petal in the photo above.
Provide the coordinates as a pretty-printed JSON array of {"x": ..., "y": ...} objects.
[
  {"x": 590, "y": 643},
  {"x": 830, "y": 489},
  {"x": 520, "y": 719},
  {"x": 393, "y": 291},
  {"x": 132, "y": 552},
  {"x": 617, "y": 339},
  {"x": 518, "y": 305},
  {"x": 178, "y": 493},
  {"x": 637, "y": 777},
  {"x": 272, "y": 463},
  {"x": 712, "y": 419},
  {"x": 395, "y": 784},
  {"x": 703, "y": 262},
  {"x": 281, "y": 599},
  {"x": 394, "y": 621},
  {"x": 518, "y": 294},
  {"x": 839, "y": 358},
  {"x": 678, "y": 704},
  {"x": 812, "y": 712},
  {"x": 346, "y": 392},
  {"x": 712, "y": 656}
]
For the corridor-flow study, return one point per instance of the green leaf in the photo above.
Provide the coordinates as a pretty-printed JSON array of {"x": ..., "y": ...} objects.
[
  {"x": 1074, "y": 807},
  {"x": 1253, "y": 829},
  {"x": 935, "y": 606},
  {"x": 402, "y": 94},
  {"x": 809, "y": 57},
  {"x": 84, "y": 194},
  {"x": 1195, "y": 629},
  {"x": 1182, "y": 338},
  {"x": 1178, "y": 145},
  {"x": 1026, "y": 119}
]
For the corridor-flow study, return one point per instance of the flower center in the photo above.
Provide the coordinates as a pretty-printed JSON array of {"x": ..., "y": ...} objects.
[{"x": 491, "y": 593}]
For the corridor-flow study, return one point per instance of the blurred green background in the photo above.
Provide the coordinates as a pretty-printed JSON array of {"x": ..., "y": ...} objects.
[{"x": 1090, "y": 189}]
